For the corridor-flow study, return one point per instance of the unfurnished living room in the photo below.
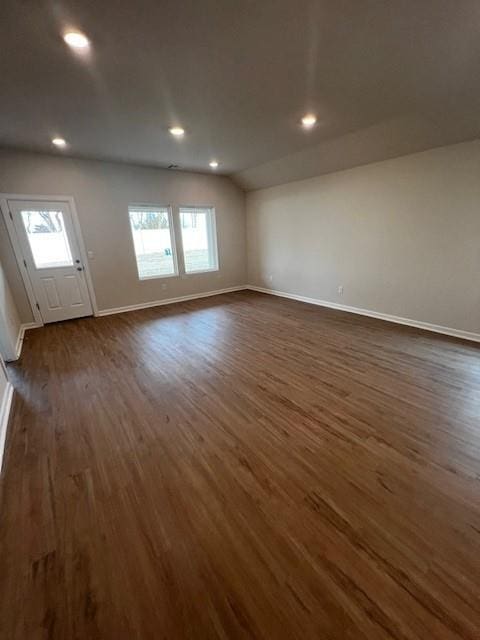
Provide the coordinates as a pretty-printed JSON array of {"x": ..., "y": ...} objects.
[{"x": 240, "y": 320}]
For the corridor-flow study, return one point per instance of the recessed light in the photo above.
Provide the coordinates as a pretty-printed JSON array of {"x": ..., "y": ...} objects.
[
  {"x": 76, "y": 40},
  {"x": 309, "y": 121},
  {"x": 214, "y": 164},
  {"x": 59, "y": 142},
  {"x": 177, "y": 131}
]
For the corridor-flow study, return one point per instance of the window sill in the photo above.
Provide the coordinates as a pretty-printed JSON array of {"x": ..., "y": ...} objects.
[
  {"x": 162, "y": 277},
  {"x": 194, "y": 273}
]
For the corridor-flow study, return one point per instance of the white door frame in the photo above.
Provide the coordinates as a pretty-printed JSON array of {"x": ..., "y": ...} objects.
[{"x": 4, "y": 198}]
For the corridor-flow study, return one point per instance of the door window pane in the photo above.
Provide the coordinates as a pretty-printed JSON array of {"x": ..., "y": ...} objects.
[
  {"x": 199, "y": 239},
  {"x": 152, "y": 240},
  {"x": 47, "y": 238}
]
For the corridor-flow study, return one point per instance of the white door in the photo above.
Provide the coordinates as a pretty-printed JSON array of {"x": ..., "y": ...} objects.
[{"x": 51, "y": 256}]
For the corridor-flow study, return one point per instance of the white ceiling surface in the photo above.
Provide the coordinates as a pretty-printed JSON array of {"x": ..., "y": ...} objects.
[{"x": 385, "y": 77}]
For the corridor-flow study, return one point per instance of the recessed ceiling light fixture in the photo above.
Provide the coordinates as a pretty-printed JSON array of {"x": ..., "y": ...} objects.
[
  {"x": 309, "y": 121},
  {"x": 76, "y": 40},
  {"x": 59, "y": 142},
  {"x": 178, "y": 132},
  {"x": 214, "y": 164}
]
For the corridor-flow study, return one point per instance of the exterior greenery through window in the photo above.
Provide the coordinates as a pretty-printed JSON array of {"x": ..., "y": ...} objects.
[
  {"x": 153, "y": 241},
  {"x": 153, "y": 232},
  {"x": 199, "y": 239}
]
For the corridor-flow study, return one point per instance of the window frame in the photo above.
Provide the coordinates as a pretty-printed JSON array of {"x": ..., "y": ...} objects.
[
  {"x": 212, "y": 236},
  {"x": 154, "y": 208}
]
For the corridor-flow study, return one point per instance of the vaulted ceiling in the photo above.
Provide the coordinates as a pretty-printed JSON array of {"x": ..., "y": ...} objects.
[{"x": 385, "y": 78}]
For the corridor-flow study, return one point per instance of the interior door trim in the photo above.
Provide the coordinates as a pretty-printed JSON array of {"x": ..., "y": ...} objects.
[{"x": 4, "y": 198}]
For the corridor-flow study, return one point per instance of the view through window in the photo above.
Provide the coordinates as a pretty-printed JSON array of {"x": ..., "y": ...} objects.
[
  {"x": 198, "y": 238},
  {"x": 47, "y": 238},
  {"x": 153, "y": 241}
]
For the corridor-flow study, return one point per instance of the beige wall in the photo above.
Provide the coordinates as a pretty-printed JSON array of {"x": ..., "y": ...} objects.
[
  {"x": 102, "y": 193},
  {"x": 9, "y": 320},
  {"x": 3, "y": 388},
  {"x": 4, "y": 408},
  {"x": 401, "y": 236}
]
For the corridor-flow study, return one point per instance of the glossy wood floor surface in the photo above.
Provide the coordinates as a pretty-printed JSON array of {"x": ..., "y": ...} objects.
[{"x": 242, "y": 467}]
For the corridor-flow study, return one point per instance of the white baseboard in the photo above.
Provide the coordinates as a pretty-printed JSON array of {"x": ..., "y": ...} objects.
[
  {"x": 456, "y": 333},
  {"x": 5, "y": 406},
  {"x": 21, "y": 335},
  {"x": 159, "y": 303}
]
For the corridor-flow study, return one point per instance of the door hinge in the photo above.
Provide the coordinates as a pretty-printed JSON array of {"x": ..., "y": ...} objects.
[
  {"x": 25, "y": 263},
  {"x": 10, "y": 214},
  {"x": 38, "y": 306}
]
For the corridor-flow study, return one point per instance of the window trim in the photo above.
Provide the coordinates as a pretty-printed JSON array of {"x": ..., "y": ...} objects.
[
  {"x": 212, "y": 233},
  {"x": 169, "y": 207}
]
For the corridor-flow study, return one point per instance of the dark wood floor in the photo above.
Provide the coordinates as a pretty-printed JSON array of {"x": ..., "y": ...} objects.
[{"x": 242, "y": 467}]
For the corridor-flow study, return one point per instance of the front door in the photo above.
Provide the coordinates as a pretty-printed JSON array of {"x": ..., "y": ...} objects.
[{"x": 50, "y": 251}]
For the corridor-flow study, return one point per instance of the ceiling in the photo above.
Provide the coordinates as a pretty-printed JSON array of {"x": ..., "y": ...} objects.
[{"x": 385, "y": 78}]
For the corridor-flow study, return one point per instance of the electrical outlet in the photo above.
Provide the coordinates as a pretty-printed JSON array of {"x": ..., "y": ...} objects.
[
  {"x": 340, "y": 289},
  {"x": 164, "y": 286},
  {"x": 269, "y": 279}
]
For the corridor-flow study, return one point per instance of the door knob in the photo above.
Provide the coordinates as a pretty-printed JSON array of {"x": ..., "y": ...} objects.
[{"x": 79, "y": 269}]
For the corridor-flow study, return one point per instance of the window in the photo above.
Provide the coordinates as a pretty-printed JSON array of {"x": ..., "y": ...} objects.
[
  {"x": 153, "y": 233},
  {"x": 153, "y": 240},
  {"x": 199, "y": 239},
  {"x": 47, "y": 238}
]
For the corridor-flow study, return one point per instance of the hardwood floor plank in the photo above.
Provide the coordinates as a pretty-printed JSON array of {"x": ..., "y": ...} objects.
[{"x": 241, "y": 467}]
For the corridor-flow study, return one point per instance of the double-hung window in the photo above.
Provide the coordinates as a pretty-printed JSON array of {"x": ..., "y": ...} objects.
[
  {"x": 154, "y": 241},
  {"x": 153, "y": 231},
  {"x": 199, "y": 239}
]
